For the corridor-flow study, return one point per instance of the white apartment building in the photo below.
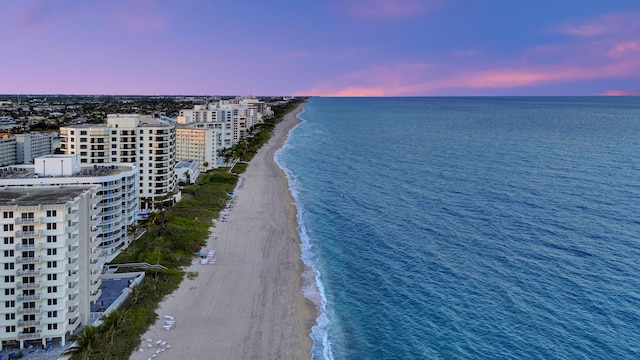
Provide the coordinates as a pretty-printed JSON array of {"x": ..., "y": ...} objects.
[
  {"x": 210, "y": 116},
  {"x": 198, "y": 144},
  {"x": 118, "y": 191},
  {"x": 32, "y": 145},
  {"x": 8, "y": 152},
  {"x": 49, "y": 271},
  {"x": 143, "y": 140}
]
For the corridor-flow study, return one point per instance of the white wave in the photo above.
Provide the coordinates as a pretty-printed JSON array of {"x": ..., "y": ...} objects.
[{"x": 313, "y": 288}]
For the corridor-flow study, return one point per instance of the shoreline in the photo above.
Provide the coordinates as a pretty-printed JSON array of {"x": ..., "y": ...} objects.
[{"x": 249, "y": 304}]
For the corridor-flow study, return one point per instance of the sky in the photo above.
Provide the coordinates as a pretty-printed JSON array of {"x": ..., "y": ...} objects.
[{"x": 320, "y": 47}]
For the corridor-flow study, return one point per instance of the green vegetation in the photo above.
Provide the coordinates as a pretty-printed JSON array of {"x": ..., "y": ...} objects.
[{"x": 172, "y": 239}]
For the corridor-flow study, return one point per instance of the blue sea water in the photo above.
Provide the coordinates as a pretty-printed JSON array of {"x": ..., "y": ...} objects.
[{"x": 470, "y": 228}]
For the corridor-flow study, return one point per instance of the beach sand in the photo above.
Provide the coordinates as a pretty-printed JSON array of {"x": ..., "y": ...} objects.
[{"x": 248, "y": 305}]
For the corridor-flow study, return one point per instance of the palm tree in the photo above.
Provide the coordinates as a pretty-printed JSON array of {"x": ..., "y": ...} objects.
[
  {"x": 112, "y": 322},
  {"x": 135, "y": 295},
  {"x": 87, "y": 343}
]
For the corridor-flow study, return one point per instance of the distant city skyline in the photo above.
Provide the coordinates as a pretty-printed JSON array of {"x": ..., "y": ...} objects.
[{"x": 326, "y": 48}]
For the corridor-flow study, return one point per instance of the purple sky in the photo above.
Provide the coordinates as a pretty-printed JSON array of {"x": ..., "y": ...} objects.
[{"x": 325, "y": 47}]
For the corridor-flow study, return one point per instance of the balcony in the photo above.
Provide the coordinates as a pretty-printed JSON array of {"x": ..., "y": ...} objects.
[
  {"x": 72, "y": 240},
  {"x": 95, "y": 295},
  {"x": 30, "y": 336},
  {"x": 73, "y": 265},
  {"x": 25, "y": 286},
  {"x": 34, "y": 272},
  {"x": 22, "y": 220},
  {"x": 50, "y": 232},
  {"x": 21, "y": 234},
  {"x": 74, "y": 287},
  {"x": 33, "y": 310},
  {"x": 74, "y": 277},
  {"x": 73, "y": 253},
  {"x": 35, "y": 297},
  {"x": 28, "y": 322},
  {"x": 28, "y": 246},
  {"x": 72, "y": 228},
  {"x": 28, "y": 260}
]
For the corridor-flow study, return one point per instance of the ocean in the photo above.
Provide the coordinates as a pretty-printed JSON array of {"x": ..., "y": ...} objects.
[{"x": 470, "y": 228}]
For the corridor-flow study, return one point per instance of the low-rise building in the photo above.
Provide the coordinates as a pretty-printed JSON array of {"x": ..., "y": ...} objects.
[{"x": 188, "y": 171}]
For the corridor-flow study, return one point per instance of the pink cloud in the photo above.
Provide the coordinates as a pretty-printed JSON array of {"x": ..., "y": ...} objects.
[
  {"x": 624, "y": 48},
  {"x": 421, "y": 79},
  {"x": 612, "y": 24},
  {"x": 621, "y": 93},
  {"x": 389, "y": 9},
  {"x": 346, "y": 91}
]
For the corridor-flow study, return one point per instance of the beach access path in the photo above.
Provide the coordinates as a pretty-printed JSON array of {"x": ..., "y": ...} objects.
[{"x": 248, "y": 304}]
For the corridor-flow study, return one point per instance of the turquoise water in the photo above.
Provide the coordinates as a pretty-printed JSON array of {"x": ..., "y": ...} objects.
[{"x": 471, "y": 228}]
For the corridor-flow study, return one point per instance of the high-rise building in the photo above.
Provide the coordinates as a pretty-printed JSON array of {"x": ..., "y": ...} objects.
[
  {"x": 198, "y": 144},
  {"x": 50, "y": 269},
  {"x": 116, "y": 210},
  {"x": 144, "y": 140}
]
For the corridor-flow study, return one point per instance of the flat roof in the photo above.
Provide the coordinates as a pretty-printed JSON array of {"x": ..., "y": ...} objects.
[
  {"x": 91, "y": 170},
  {"x": 30, "y": 196}
]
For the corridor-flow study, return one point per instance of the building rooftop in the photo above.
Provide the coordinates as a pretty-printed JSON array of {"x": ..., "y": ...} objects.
[
  {"x": 28, "y": 172},
  {"x": 30, "y": 196}
]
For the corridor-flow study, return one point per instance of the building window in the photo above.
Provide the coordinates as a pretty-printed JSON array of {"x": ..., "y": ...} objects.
[
  {"x": 52, "y": 289},
  {"x": 8, "y": 253},
  {"x": 8, "y": 240},
  {"x": 7, "y": 214},
  {"x": 52, "y": 226},
  {"x": 10, "y": 291},
  {"x": 10, "y": 329},
  {"x": 10, "y": 303},
  {"x": 9, "y": 266},
  {"x": 52, "y": 264},
  {"x": 52, "y": 326},
  {"x": 9, "y": 279},
  {"x": 52, "y": 302},
  {"x": 10, "y": 316},
  {"x": 51, "y": 213},
  {"x": 7, "y": 227},
  {"x": 52, "y": 238},
  {"x": 52, "y": 314},
  {"x": 52, "y": 252}
]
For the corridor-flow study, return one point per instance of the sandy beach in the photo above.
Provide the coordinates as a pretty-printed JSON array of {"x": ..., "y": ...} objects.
[{"x": 248, "y": 305}]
